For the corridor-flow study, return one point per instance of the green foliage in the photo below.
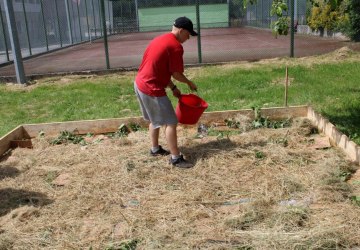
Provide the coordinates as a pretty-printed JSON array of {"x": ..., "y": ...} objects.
[
  {"x": 354, "y": 20},
  {"x": 66, "y": 137},
  {"x": 247, "y": 2},
  {"x": 322, "y": 16},
  {"x": 134, "y": 127},
  {"x": 125, "y": 245},
  {"x": 355, "y": 200},
  {"x": 343, "y": 22},
  {"x": 232, "y": 123},
  {"x": 262, "y": 122},
  {"x": 259, "y": 155},
  {"x": 278, "y": 7},
  {"x": 122, "y": 131},
  {"x": 336, "y": 15},
  {"x": 281, "y": 25}
]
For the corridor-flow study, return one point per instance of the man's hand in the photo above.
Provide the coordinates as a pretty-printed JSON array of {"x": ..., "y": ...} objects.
[
  {"x": 176, "y": 93},
  {"x": 192, "y": 86}
]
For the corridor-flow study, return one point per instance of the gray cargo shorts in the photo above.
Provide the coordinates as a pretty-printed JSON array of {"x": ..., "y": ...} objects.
[{"x": 158, "y": 110}]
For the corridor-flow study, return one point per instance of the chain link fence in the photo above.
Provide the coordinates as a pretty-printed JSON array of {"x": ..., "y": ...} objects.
[
  {"x": 46, "y": 25},
  {"x": 228, "y": 32}
]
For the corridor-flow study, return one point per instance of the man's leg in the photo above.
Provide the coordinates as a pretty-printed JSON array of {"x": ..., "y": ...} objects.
[
  {"x": 176, "y": 158},
  {"x": 154, "y": 136},
  {"x": 156, "y": 149},
  {"x": 171, "y": 138}
]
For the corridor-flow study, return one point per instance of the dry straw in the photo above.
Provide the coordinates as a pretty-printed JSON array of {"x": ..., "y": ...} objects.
[{"x": 253, "y": 189}]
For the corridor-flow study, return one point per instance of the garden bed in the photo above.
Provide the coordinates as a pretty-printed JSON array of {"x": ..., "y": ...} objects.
[{"x": 256, "y": 184}]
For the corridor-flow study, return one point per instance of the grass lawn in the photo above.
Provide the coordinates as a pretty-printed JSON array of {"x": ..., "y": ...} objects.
[{"x": 329, "y": 83}]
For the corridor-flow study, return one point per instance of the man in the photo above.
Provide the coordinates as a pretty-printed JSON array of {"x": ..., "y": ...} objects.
[{"x": 163, "y": 59}]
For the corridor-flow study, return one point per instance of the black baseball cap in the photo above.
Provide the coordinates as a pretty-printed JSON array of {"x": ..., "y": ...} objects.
[{"x": 185, "y": 23}]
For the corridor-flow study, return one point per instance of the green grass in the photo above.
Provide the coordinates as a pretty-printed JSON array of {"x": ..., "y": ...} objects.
[
  {"x": 332, "y": 89},
  {"x": 164, "y": 16}
]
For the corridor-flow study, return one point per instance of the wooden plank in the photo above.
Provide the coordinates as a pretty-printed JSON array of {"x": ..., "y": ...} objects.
[
  {"x": 100, "y": 126},
  {"x": 276, "y": 113},
  {"x": 336, "y": 137},
  {"x": 5, "y": 141}
]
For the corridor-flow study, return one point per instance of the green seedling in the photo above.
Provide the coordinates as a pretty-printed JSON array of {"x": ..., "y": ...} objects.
[
  {"x": 259, "y": 155},
  {"x": 232, "y": 123},
  {"x": 66, "y": 137},
  {"x": 355, "y": 200}
]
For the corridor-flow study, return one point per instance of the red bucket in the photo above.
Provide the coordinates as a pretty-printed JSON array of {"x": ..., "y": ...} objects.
[{"x": 189, "y": 108}]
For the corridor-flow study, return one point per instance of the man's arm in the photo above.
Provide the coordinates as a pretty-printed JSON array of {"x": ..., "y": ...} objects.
[{"x": 182, "y": 78}]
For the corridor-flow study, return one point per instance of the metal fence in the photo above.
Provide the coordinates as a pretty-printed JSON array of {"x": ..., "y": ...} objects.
[
  {"x": 44, "y": 26},
  {"x": 258, "y": 15}
]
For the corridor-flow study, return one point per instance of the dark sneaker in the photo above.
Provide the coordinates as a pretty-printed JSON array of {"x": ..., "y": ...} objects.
[
  {"x": 160, "y": 151},
  {"x": 181, "y": 162}
]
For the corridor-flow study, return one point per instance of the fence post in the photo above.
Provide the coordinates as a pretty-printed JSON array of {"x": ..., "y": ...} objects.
[
  {"x": 292, "y": 29},
  {"x": 44, "y": 23},
  {"x": 198, "y": 30},
  {"x": 100, "y": 13},
  {"x": 27, "y": 28},
  {"x": 68, "y": 21},
  {"x": 137, "y": 15},
  {"x": 4, "y": 35},
  {"x": 94, "y": 18},
  {"x": 229, "y": 19},
  {"x": 105, "y": 33},
  {"x": 87, "y": 19},
  {"x": 14, "y": 40},
  {"x": 78, "y": 12},
  {"x": 58, "y": 23}
]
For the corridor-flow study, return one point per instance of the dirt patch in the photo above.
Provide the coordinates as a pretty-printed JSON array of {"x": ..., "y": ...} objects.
[{"x": 250, "y": 189}]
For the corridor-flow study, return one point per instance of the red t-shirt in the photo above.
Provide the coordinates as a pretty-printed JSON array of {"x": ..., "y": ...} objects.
[{"x": 162, "y": 57}]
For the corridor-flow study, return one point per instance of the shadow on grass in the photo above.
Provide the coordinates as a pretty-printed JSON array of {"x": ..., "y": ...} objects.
[
  {"x": 348, "y": 122},
  {"x": 13, "y": 198}
]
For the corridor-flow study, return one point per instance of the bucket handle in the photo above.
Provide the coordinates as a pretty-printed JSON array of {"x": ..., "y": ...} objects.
[{"x": 196, "y": 92}]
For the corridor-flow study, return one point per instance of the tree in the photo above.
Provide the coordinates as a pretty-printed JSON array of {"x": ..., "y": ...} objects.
[
  {"x": 354, "y": 19},
  {"x": 323, "y": 16},
  {"x": 337, "y": 15}
]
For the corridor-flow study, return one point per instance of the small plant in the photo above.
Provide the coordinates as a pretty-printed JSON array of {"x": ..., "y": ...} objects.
[
  {"x": 355, "y": 200},
  {"x": 66, "y": 137},
  {"x": 41, "y": 134},
  {"x": 130, "y": 166},
  {"x": 125, "y": 245},
  {"x": 259, "y": 155},
  {"x": 344, "y": 176},
  {"x": 122, "y": 131},
  {"x": 282, "y": 141},
  {"x": 232, "y": 123},
  {"x": 134, "y": 127},
  {"x": 262, "y": 122}
]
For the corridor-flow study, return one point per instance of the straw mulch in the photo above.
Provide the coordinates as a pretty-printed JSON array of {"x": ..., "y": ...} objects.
[{"x": 258, "y": 189}]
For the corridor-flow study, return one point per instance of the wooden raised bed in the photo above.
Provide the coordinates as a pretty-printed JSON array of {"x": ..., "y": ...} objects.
[{"x": 22, "y": 135}]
